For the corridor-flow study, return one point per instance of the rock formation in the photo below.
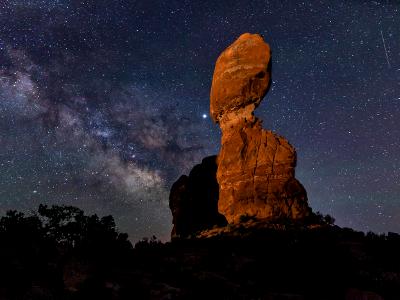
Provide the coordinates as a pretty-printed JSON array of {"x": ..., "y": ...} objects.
[
  {"x": 194, "y": 200},
  {"x": 256, "y": 167},
  {"x": 254, "y": 174}
]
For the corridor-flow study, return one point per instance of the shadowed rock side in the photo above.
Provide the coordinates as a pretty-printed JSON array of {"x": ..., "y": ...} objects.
[
  {"x": 256, "y": 167},
  {"x": 193, "y": 200}
]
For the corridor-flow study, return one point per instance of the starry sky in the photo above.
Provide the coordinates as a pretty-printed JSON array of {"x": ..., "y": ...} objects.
[{"x": 104, "y": 104}]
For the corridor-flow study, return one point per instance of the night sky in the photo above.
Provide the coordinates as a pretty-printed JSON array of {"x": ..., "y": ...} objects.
[{"x": 104, "y": 104}]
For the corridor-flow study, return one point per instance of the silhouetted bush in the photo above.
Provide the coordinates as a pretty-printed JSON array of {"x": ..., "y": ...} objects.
[
  {"x": 318, "y": 218},
  {"x": 147, "y": 243}
]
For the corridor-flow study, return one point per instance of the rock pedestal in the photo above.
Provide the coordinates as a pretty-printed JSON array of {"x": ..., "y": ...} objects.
[
  {"x": 254, "y": 173},
  {"x": 256, "y": 167}
]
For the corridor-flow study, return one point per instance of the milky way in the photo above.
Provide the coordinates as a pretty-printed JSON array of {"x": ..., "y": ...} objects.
[{"x": 103, "y": 104}]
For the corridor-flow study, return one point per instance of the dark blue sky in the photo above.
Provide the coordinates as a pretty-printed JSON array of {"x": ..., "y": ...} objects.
[{"x": 101, "y": 102}]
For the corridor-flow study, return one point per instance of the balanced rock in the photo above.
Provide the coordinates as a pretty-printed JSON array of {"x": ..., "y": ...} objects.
[
  {"x": 193, "y": 200},
  {"x": 256, "y": 167},
  {"x": 241, "y": 76}
]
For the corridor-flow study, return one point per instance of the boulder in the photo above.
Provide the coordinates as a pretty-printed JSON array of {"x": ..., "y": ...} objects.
[{"x": 241, "y": 76}]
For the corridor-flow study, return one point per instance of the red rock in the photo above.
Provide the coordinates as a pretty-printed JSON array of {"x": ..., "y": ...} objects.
[
  {"x": 256, "y": 167},
  {"x": 241, "y": 75}
]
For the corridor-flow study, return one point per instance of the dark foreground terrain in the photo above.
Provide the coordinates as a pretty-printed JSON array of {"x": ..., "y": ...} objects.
[{"x": 60, "y": 253}]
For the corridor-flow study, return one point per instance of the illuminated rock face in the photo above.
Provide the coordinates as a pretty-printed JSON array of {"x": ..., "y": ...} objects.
[
  {"x": 254, "y": 173},
  {"x": 256, "y": 167},
  {"x": 241, "y": 75}
]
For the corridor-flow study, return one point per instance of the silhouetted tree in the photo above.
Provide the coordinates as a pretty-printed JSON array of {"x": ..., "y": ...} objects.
[
  {"x": 36, "y": 248},
  {"x": 70, "y": 227}
]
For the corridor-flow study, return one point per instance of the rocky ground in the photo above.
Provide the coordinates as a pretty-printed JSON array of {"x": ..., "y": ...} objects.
[
  {"x": 277, "y": 262},
  {"x": 63, "y": 254}
]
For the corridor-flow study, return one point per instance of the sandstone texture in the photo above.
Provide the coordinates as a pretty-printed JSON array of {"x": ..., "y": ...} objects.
[
  {"x": 193, "y": 200},
  {"x": 241, "y": 75},
  {"x": 256, "y": 167}
]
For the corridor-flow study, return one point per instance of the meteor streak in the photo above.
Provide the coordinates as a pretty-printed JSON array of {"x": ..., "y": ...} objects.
[{"x": 384, "y": 46}]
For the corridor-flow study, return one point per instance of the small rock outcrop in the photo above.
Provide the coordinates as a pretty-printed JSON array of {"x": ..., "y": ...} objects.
[
  {"x": 193, "y": 200},
  {"x": 256, "y": 167}
]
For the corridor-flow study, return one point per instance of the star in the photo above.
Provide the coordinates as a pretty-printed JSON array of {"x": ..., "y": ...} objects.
[{"x": 110, "y": 121}]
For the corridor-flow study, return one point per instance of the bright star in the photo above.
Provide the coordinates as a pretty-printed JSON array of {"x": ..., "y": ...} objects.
[{"x": 204, "y": 116}]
